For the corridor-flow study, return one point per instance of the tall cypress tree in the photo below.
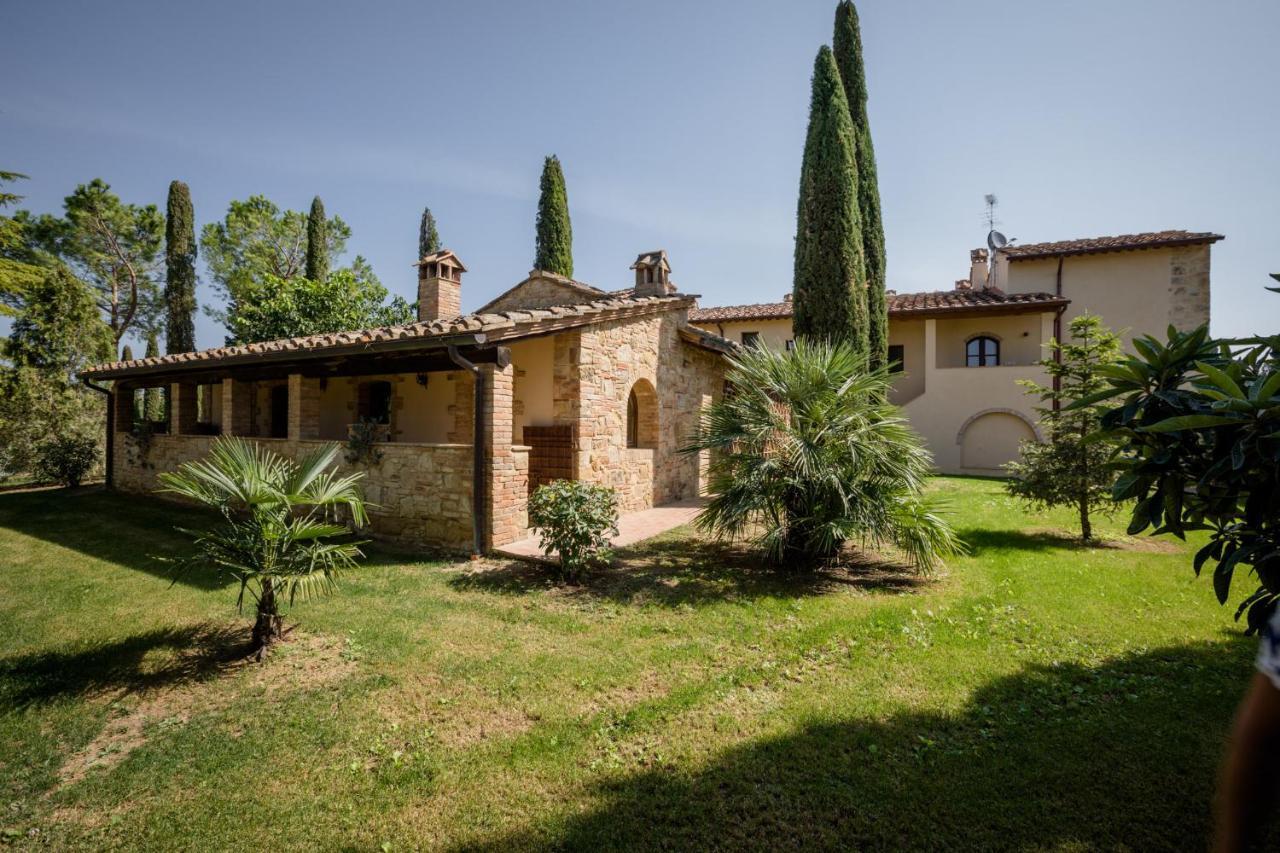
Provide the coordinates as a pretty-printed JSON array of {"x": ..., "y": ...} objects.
[
  {"x": 428, "y": 236},
  {"x": 553, "y": 250},
  {"x": 830, "y": 300},
  {"x": 154, "y": 397},
  {"x": 847, "y": 46},
  {"x": 317, "y": 243},
  {"x": 180, "y": 268},
  {"x": 127, "y": 353}
]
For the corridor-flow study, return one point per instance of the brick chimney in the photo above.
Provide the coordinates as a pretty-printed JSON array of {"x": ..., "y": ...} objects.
[
  {"x": 978, "y": 269},
  {"x": 653, "y": 274},
  {"x": 440, "y": 286}
]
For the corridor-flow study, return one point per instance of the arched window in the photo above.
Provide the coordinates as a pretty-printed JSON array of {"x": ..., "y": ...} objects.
[
  {"x": 633, "y": 420},
  {"x": 982, "y": 351},
  {"x": 642, "y": 415}
]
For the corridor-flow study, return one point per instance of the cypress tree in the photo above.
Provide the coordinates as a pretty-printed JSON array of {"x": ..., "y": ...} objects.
[
  {"x": 830, "y": 301},
  {"x": 847, "y": 46},
  {"x": 317, "y": 243},
  {"x": 180, "y": 268},
  {"x": 127, "y": 353},
  {"x": 553, "y": 251},
  {"x": 154, "y": 398},
  {"x": 428, "y": 237}
]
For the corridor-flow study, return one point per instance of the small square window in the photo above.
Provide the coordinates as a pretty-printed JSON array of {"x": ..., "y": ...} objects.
[
  {"x": 897, "y": 354},
  {"x": 750, "y": 339},
  {"x": 790, "y": 345}
]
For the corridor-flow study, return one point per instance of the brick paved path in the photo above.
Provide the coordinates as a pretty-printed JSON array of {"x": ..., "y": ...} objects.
[{"x": 632, "y": 527}]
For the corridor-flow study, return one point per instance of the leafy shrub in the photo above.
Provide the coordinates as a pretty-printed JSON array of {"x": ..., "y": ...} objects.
[
  {"x": 575, "y": 521},
  {"x": 806, "y": 453},
  {"x": 362, "y": 439},
  {"x": 1199, "y": 422},
  {"x": 66, "y": 459}
]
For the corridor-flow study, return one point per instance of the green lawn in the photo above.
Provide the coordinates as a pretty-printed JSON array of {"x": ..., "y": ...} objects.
[{"x": 1034, "y": 695}]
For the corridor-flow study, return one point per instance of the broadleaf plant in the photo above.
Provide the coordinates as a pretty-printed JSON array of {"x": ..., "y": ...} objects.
[{"x": 1198, "y": 421}]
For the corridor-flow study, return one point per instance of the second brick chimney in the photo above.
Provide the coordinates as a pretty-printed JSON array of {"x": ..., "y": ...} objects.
[
  {"x": 440, "y": 286},
  {"x": 653, "y": 274},
  {"x": 978, "y": 269}
]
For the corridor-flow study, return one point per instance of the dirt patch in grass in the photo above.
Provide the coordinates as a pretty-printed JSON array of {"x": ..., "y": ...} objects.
[
  {"x": 694, "y": 572},
  {"x": 211, "y": 664},
  {"x": 1106, "y": 542}
]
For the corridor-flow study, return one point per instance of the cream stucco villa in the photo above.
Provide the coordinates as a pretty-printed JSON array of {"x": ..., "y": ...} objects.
[
  {"x": 962, "y": 351},
  {"x": 558, "y": 379}
]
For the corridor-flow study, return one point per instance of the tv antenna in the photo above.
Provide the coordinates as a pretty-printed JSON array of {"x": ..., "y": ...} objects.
[{"x": 995, "y": 240}]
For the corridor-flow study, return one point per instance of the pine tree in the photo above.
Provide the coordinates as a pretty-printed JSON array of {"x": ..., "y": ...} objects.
[
  {"x": 180, "y": 268},
  {"x": 428, "y": 236},
  {"x": 154, "y": 396},
  {"x": 317, "y": 243},
  {"x": 553, "y": 251},
  {"x": 847, "y": 46},
  {"x": 1066, "y": 469},
  {"x": 830, "y": 299}
]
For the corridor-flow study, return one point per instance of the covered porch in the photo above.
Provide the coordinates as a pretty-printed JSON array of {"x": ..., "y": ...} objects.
[{"x": 431, "y": 428}]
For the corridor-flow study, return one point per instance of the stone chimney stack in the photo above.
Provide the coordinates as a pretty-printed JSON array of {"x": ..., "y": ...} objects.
[
  {"x": 653, "y": 274},
  {"x": 440, "y": 286},
  {"x": 978, "y": 269}
]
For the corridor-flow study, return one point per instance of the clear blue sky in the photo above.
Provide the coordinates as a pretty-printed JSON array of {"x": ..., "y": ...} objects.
[{"x": 680, "y": 125}]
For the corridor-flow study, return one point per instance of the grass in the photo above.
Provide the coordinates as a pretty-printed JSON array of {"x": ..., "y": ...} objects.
[{"x": 1036, "y": 695}]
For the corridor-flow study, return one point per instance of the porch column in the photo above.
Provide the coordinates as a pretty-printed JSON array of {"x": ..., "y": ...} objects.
[
  {"x": 122, "y": 396},
  {"x": 235, "y": 407},
  {"x": 183, "y": 408},
  {"x": 566, "y": 391},
  {"x": 507, "y": 476},
  {"x": 304, "y": 407}
]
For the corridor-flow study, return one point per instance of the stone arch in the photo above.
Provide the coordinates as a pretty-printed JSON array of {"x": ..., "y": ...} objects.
[
  {"x": 991, "y": 437},
  {"x": 642, "y": 415}
]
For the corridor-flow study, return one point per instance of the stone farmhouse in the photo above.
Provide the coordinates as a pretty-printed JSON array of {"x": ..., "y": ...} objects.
[
  {"x": 961, "y": 352},
  {"x": 464, "y": 415},
  {"x": 553, "y": 379}
]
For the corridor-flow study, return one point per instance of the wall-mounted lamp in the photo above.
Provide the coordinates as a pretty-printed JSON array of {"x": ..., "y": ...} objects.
[{"x": 422, "y": 379}]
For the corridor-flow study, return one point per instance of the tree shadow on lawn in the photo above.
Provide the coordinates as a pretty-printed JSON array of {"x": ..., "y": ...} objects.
[
  {"x": 128, "y": 530},
  {"x": 694, "y": 571},
  {"x": 160, "y": 658},
  {"x": 1117, "y": 756},
  {"x": 980, "y": 539}
]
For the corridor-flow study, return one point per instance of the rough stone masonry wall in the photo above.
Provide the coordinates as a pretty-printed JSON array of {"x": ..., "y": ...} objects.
[
  {"x": 422, "y": 492},
  {"x": 610, "y": 358},
  {"x": 1189, "y": 287},
  {"x": 539, "y": 291}
]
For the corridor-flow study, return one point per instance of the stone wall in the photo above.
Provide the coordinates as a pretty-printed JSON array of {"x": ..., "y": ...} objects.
[
  {"x": 1188, "y": 287},
  {"x": 421, "y": 492},
  {"x": 542, "y": 290},
  {"x": 593, "y": 383}
]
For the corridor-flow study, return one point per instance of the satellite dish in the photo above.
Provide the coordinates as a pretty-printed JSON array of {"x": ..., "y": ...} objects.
[{"x": 996, "y": 240}]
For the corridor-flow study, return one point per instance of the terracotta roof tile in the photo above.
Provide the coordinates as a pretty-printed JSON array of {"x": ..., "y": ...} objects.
[
  {"x": 498, "y": 326},
  {"x": 1119, "y": 243},
  {"x": 900, "y": 305}
]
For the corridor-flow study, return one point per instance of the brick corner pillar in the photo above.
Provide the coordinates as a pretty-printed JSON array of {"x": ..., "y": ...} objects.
[
  {"x": 235, "y": 407},
  {"x": 507, "y": 474},
  {"x": 304, "y": 408},
  {"x": 184, "y": 409},
  {"x": 122, "y": 397}
]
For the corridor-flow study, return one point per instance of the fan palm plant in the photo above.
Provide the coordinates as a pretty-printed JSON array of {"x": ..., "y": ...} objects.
[
  {"x": 806, "y": 454},
  {"x": 280, "y": 535}
]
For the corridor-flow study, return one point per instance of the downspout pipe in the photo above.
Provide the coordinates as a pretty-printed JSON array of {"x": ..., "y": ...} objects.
[
  {"x": 1057, "y": 333},
  {"x": 111, "y": 427},
  {"x": 479, "y": 452}
]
